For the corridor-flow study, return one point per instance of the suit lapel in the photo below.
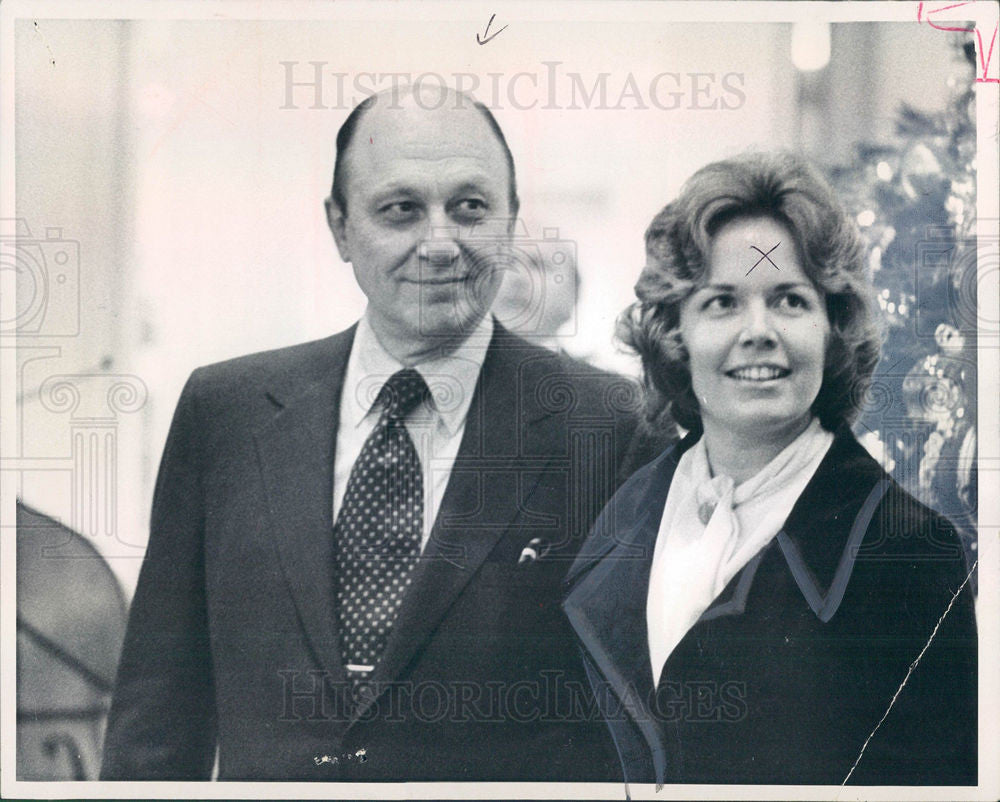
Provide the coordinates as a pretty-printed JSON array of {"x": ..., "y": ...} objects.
[
  {"x": 296, "y": 451},
  {"x": 487, "y": 490}
]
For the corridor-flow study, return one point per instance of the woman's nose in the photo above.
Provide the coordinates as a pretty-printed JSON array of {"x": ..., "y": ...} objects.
[{"x": 758, "y": 328}]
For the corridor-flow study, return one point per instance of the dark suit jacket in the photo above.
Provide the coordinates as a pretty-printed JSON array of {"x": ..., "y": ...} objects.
[
  {"x": 232, "y": 639},
  {"x": 786, "y": 678}
]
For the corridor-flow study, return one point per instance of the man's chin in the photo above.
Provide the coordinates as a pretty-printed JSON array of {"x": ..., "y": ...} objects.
[
  {"x": 437, "y": 330},
  {"x": 445, "y": 327}
]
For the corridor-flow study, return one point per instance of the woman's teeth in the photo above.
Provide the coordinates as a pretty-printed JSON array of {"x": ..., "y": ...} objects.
[{"x": 758, "y": 373}]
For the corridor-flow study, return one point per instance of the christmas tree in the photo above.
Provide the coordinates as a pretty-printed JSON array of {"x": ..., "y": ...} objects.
[{"x": 915, "y": 202}]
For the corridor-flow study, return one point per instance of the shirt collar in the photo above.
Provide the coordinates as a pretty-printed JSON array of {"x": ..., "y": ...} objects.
[{"x": 451, "y": 378}]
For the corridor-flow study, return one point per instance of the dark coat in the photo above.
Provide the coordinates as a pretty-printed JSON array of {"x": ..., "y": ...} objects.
[
  {"x": 784, "y": 678},
  {"x": 232, "y": 639}
]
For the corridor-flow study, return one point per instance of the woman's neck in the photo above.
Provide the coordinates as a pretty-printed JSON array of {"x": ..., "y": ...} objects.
[{"x": 742, "y": 454}]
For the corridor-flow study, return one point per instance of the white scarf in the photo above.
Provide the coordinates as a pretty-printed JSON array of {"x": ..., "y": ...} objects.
[{"x": 711, "y": 529}]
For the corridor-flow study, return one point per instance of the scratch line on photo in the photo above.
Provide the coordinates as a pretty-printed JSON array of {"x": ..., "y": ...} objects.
[{"x": 913, "y": 665}]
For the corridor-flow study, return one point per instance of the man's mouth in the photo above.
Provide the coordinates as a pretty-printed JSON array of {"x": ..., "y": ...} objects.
[
  {"x": 758, "y": 373},
  {"x": 439, "y": 280}
]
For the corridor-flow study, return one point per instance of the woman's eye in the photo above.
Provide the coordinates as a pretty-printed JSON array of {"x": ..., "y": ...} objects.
[
  {"x": 719, "y": 303},
  {"x": 794, "y": 301}
]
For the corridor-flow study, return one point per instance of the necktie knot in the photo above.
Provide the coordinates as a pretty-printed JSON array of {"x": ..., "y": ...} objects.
[{"x": 402, "y": 393}]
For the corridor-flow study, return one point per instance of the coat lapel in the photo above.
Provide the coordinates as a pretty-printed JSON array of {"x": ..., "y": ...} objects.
[
  {"x": 490, "y": 484},
  {"x": 822, "y": 538},
  {"x": 296, "y": 451},
  {"x": 606, "y": 603}
]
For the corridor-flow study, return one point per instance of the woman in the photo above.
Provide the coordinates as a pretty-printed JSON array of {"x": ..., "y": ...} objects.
[{"x": 762, "y": 603}]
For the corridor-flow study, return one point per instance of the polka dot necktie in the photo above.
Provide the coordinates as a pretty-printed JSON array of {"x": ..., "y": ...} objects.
[{"x": 378, "y": 531}]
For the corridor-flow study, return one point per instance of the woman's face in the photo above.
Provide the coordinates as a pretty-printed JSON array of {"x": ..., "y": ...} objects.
[{"x": 755, "y": 333}]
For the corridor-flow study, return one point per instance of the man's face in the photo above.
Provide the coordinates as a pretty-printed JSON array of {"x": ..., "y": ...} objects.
[{"x": 427, "y": 221}]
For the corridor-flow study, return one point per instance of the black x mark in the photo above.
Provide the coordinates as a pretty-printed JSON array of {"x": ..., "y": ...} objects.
[{"x": 763, "y": 256}]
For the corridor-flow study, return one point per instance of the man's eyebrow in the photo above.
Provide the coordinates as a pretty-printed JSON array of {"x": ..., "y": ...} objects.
[
  {"x": 481, "y": 185},
  {"x": 474, "y": 185},
  {"x": 393, "y": 188}
]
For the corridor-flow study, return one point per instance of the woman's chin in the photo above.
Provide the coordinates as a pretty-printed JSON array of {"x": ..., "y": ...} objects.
[{"x": 764, "y": 422}]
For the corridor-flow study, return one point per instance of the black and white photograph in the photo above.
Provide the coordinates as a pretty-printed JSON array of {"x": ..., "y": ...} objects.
[{"x": 443, "y": 400}]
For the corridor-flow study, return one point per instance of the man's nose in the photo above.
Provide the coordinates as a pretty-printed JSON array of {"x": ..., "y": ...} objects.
[
  {"x": 440, "y": 246},
  {"x": 758, "y": 327}
]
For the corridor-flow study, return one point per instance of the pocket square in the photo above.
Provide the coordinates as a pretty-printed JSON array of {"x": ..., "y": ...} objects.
[{"x": 535, "y": 550}]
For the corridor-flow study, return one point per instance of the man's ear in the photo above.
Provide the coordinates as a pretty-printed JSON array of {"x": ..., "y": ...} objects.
[
  {"x": 338, "y": 227},
  {"x": 512, "y": 222}
]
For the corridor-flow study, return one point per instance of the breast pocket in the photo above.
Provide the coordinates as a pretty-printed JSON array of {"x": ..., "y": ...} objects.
[{"x": 518, "y": 598}]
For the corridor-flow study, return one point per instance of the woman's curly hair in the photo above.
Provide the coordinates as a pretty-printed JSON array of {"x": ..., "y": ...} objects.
[{"x": 678, "y": 242}]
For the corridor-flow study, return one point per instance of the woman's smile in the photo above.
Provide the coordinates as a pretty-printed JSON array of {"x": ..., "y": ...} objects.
[{"x": 758, "y": 374}]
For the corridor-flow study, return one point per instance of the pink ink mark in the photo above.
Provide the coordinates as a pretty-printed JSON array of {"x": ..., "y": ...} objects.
[
  {"x": 986, "y": 58},
  {"x": 945, "y": 8},
  {"x": 989, "y": 56}
]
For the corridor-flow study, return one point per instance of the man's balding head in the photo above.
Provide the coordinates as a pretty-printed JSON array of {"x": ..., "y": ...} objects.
[{"x": 430, "y": 98}]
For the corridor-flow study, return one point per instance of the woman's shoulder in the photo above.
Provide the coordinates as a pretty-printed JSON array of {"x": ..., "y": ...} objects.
[
  {"x": 897, "y": 534},
  {"x": 649, "y": 465},
  {"x": 900, "y": 517}
]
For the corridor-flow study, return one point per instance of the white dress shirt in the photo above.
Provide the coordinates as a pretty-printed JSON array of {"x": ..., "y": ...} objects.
[
  {"x": 436, "y": 427},
  {"x": 710, "y": 530}
]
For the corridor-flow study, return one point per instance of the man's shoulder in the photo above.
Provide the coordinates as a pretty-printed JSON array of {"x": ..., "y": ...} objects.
[
  {"x": 300, "y": 364},
  {"x": 540, "y": 365},
  {"x": 506, "y": 341}
]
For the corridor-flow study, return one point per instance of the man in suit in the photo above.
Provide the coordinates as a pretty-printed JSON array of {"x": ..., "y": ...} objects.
[{"x": 357, "y": 544}]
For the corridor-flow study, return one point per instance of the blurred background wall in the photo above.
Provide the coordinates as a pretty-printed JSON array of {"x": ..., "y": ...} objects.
[{"x": 170, "y": 186}]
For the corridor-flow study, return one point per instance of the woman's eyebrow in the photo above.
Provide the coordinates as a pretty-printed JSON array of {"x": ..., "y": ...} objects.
[{"x": 790, "y": 285}]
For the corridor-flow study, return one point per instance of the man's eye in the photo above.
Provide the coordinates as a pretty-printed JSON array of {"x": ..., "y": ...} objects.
[
  {"x": 467, "y": 208},
  {"x": 399, "y": 210}
]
